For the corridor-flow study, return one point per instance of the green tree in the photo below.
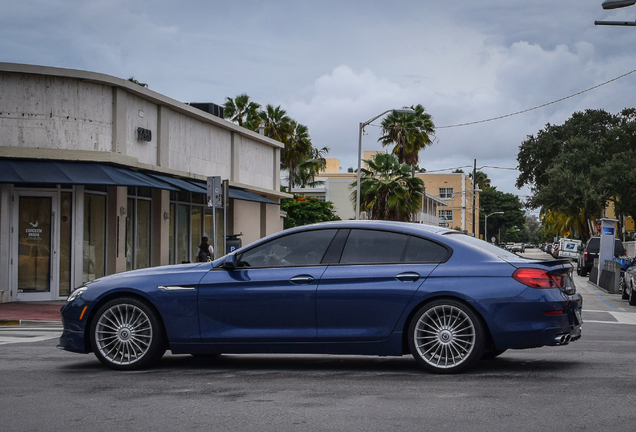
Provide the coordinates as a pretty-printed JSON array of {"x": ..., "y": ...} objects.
[
  {"x": 297, "y": 149},
  {"x": 241, "y": 110},
  {"x": 309, "y": 168},
  {"x": 490, "y": 201},
  {"x": 408, "y": 133},
  {"x": 388, "y": 191},
  {"x": 482, "y": 182},
  {"x": 306, "y": 210},
  {"x": 577, "y": 167},
  {"x": 276, "y": 122}
]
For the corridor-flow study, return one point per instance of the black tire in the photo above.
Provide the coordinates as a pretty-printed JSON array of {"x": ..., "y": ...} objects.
[
  {"x": 446, "y": 336},
  {"x": 489, "y": 355},
  {"x": 127, "y": 334},
  {"x": 632, "y": 297},
  {"x": 578, "y": 270},
  {"x": 622, "y": 286}
]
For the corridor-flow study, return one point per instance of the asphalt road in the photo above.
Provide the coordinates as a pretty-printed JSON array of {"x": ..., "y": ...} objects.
[{"x": 588, "y": 385}]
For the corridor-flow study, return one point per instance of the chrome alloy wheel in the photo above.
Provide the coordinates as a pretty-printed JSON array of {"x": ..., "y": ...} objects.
[
  {"x": 444, "y": 336},
  {"x": 123, "y": 334}
]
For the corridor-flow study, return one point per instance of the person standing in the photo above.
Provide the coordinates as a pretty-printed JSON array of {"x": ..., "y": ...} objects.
[{"x": 206, "y": 252}]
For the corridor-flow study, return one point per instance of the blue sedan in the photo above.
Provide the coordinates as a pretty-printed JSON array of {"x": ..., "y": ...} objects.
[{"x": 355, "y": 287}]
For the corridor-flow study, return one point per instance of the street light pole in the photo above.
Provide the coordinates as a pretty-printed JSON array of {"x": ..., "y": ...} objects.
[
  {"x": 362, "y": 126},
  {"x": 615, "y": 4},
  {"x": 486, "y": 223}
]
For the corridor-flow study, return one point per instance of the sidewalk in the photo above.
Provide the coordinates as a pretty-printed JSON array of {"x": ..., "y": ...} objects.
[{"x": 30, "y": 313}]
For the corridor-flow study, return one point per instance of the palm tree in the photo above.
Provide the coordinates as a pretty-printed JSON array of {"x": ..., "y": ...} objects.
[
  {"x": 308, "y": 169},
  {"x": 297, "y": 148},
  {"x": 482, "y": 182},
  {"x": 241, "y": 109},
  {"x": 387, "y": 189},
  {"x": 409, "y": 133},
  {"x": 276, "y": 122}
]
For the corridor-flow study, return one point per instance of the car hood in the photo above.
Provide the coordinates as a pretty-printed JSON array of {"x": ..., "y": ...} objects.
[{"x": 184, "y": 273}]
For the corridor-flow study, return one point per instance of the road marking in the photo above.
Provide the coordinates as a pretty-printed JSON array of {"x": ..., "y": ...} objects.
[
  {"x": 13, "y": 335},
  {"x": 628, "y": 318}
]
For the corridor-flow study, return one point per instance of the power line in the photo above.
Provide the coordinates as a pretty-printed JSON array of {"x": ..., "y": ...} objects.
[{"x": 537, "y": 107}]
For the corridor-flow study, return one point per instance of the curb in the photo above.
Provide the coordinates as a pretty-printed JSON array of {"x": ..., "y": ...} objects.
[
  {"x": 9, "y": 323},
  {"x": 29, "y": 323}
]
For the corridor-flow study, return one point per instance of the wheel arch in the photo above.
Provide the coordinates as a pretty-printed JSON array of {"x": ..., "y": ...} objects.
[
  {"x": 490, "y": 343},
  {"x": 113, "y": 296}
]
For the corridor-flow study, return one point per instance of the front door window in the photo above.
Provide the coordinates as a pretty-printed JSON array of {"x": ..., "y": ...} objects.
[{"x": 34, "y": 244}]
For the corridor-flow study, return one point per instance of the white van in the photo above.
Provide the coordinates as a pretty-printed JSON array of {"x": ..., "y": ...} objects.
[{"x": 569, "y": 248}]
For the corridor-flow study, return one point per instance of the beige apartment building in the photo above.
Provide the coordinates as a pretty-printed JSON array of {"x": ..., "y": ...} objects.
[
  {"x": 448, "y": 202},
  {"x": 99, "y": 175}
]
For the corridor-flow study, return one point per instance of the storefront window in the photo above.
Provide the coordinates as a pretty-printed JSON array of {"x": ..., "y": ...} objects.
[
  {"x": 138, "y": 230},
  {"x": 171, "y": 240},
  {"x": 66, "y": 213},
  {"x": 197, "y": 214},
  {"x": 143, "y": 234},
  {"x": 183, "y": 234},
  {"x": 94, "y": 236}
]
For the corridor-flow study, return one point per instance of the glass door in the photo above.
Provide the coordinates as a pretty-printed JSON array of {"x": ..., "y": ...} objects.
[{"x": 35, "y": 246}]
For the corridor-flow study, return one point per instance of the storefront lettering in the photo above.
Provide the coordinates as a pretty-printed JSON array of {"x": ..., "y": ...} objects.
[{"x": 34, "y": 233}]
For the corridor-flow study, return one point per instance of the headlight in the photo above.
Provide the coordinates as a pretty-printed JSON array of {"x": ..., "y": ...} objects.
[{"x": 75, "y": 294}]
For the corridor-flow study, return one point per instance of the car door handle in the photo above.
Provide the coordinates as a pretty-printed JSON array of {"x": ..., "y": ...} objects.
[
  {"x": 301, "y": 280},
  {"x": 408, "y": 277}
]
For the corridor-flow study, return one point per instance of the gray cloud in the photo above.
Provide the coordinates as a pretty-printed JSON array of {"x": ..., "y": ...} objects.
[{"x": 334, "y": 64}]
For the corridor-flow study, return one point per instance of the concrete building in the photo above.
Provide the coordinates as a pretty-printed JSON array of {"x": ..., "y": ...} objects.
[{"x": 99, "y": 175}]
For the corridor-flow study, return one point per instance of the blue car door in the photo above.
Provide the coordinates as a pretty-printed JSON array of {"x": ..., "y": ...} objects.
[
  {"x": 364, "y": 296},
  {"x": 270, "y": 296}
]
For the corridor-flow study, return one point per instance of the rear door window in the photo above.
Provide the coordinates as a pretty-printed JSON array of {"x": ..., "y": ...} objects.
[
  {"x": 422, "y": 250},
  {"x": 373, "y": 247}
]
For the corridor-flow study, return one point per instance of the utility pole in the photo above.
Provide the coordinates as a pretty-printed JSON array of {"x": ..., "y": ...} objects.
[{"x": 474, "y": 195}]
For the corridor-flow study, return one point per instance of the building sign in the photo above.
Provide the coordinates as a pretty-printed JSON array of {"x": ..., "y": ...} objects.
[{"x": 144, "y": 134}]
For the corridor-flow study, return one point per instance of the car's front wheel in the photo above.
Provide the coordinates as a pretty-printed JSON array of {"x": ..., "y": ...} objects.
[
  {"x": 446, "y": 336},
  {"x": 127, "y": 334}
]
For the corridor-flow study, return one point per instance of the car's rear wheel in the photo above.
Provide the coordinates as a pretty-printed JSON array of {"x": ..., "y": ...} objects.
[
  {"x": 446, "y": 336},
  {"x": 127, "y": 334}
]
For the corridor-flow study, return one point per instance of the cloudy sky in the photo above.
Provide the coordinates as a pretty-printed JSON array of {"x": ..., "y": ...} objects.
[{"x": 334, "y": 64}]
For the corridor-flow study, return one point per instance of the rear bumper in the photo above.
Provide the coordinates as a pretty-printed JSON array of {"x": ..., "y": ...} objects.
[{"x": 536, "y": 322}]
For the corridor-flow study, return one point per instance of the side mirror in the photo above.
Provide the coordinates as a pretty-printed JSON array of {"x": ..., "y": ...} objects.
[{"x": 230, "y": 262}]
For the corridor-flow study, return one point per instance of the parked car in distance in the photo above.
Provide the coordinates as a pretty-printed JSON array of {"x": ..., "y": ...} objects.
[
  {"x": 589, "y": 252},
  {"x": 518, "y": 247},
  {"x": 348, "y": 287}
]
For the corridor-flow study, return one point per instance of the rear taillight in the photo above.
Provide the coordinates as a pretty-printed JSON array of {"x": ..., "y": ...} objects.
[
  {"x": 585, "y": 253},
  {"x": 538, "y": 278}
]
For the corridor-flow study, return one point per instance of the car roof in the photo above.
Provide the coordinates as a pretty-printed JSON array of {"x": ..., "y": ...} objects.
[{"x": 381, "y": 224}]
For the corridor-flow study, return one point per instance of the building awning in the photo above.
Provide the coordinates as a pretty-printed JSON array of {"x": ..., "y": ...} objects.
[
  {"x": 241, "y": 194},
  {"x": 92, "y": 173},
  {"x": 181, "y": 184},
  {"x": 244, "y": 195},
  {"x": 61, "y": 172}
]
